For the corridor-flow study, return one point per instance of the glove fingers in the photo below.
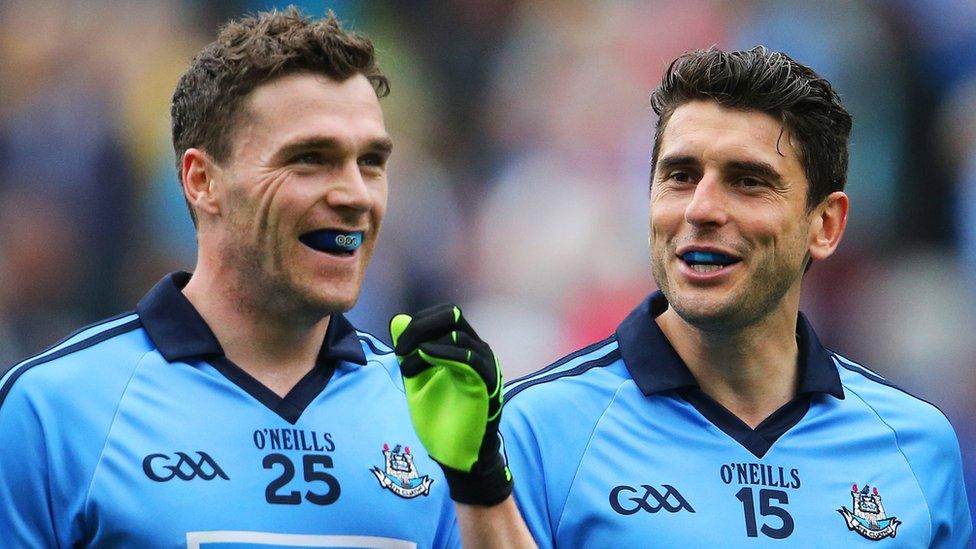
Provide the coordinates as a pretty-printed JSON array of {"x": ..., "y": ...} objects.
[
  {"x": 463, "y": 326},
  {"x": 483, "y": 360},
  {"x": 464, "y": 362},
  {"x": 413, "y": 365},
  {"x": 455, "y": 347},
  {"x": 460, "y": 362},
  {"x": 398, "y": 324},
  {"x": 480, "y": 353},
  {"x": 461, "y": 339},
  {"x": 444, "y": 354},
  {"x": 427, "y": 325}
]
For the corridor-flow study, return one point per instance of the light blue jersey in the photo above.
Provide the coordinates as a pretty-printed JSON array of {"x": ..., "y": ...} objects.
[
  {"x": 616, "y": 446},
  {"x": 139, "y": 432}
]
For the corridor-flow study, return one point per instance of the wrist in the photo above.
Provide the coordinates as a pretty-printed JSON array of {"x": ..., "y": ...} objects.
[{"x": 485, "y": 485}]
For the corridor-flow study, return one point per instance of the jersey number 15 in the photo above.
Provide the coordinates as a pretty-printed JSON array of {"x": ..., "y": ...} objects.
[{"x": 766, "y": 508}]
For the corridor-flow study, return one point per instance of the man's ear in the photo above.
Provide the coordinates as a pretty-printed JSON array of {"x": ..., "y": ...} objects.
[
  {"x": 829, "y": 223},
  {"x": 199, "y": 173}
]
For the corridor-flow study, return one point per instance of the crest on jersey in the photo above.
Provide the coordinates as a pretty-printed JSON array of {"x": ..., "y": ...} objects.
[
  {"x": 400, "y": 475},
  {"x": 868, "y": 516}
]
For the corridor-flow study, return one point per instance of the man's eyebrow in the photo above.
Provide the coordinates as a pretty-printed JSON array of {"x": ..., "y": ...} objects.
[
  {"x": 309, "y": 143},
  {"x": 675, "y": 161},
  {"x": 383, "y": 145},
  {"x": 754, "y": 167},
  {"x": 380, "y": 144}
]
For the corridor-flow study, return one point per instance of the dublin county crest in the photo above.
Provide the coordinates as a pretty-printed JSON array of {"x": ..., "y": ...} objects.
[
  {"x": 400, "y": 475},
  {"x": 868, "y": 517}
]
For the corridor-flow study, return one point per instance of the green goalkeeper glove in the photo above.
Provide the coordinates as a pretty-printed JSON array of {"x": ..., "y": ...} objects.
[{"x": 454, "y": 391}]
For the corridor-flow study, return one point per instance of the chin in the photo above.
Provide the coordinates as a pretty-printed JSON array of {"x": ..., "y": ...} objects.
[
  {"x": 338, "y": 305},
  {"x": 334, "y": 292},
  {"x": 712, "y": 320},
  {"x": 326, "y": 303},
  {"x": 708, "y": 311}
]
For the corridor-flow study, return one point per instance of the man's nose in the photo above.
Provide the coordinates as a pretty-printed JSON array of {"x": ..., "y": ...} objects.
[
  {"x": 708, "y": 205},
  {"x": 349, "y": 189}
]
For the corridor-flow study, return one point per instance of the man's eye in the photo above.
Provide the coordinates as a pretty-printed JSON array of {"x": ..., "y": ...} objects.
[
  {"x": 307, "y": 158},
  {"x": 680, "y": 177},
  {"x": 750, "y": 182},
  {"x": 372, "y": 160}
]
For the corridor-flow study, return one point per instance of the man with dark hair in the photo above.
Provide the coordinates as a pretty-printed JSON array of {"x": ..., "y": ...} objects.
[
  {"x": 237, "y": 406},
  {"x": 713, "y": 416}
]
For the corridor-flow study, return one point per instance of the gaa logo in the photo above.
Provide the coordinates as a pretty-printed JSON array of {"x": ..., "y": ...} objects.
[
  {"x": 651, "y": 501},
  {"x": 161, "y": 467}
]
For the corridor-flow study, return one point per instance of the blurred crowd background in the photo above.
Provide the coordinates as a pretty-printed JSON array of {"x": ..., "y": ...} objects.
[{"x": 519, "y": 182}]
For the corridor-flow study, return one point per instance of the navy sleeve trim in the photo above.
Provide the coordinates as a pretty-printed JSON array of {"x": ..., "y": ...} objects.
[
  {"x": 89, "y": 327},
  {"x": 858, "y": 369},
  {"x": 605, "y": 360},
  {"x": 73, "y": 348},
  {"x": 565, "y": 359},
  {"x": 71, "y": 335}
]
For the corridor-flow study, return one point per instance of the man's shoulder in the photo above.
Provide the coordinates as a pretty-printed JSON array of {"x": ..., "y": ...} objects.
[
  {"x": 89, "y": 357},
  {"x": 923, "y": 436},
  {"x": 905, "y": 413},
  {"x": 591, "y": 374}
]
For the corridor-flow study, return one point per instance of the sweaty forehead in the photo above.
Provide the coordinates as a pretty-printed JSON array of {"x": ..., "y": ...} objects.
[
  {"x": 710, "y": 132},
  {"x": 304, "y": 105},
  {"x": 307, "y": 89}
]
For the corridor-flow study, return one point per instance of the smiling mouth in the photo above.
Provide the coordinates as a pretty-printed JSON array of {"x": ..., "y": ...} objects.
[
  {"x": 708, "y": 262},
  {"x": 334, "y": 242}
]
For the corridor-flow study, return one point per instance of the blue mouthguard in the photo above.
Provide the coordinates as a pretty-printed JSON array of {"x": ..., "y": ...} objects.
[
  {"x": 708, "y": 258},
  {"x": 328, "y": 240}
]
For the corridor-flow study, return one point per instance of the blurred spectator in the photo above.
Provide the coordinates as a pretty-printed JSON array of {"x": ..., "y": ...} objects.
[{"x": 64, "y": 173}]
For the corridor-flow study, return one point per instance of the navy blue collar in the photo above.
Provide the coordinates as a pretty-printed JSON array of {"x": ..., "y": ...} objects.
[
  {"x": 179, "y": 332},
  {"x": 656, "y": 366}
]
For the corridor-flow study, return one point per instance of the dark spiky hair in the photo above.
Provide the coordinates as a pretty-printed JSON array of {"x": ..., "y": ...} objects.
[{"x": 769, "y": 82}]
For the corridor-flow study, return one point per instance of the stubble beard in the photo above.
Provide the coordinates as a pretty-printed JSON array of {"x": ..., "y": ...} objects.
[
  {"x": 742, "y": 307},
  {"x": 264, "y": 286}
]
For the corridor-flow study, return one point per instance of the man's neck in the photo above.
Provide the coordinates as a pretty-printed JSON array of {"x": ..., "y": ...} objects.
[
  {"x": 752, "y": 372},
  {"x": 276, "y": 350}
]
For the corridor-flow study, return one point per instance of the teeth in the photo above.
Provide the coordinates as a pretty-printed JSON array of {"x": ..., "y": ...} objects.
[{"x": 705, "y": 268}]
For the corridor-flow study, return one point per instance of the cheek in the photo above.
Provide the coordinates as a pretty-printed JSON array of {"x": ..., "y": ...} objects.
[
  {"x": 274, "y": 191},
  {"x": 660, "y": 234},
  {"x": 258, "y": 201},
  {"x": 238, "y": 208},
  {"x": 665, "y": 219},
  {"x": 281, "y": 201},
  {"x": 786, "y": 238},
  {"x": 379, "y": 195},
  {"x": 764, "y": 225}
]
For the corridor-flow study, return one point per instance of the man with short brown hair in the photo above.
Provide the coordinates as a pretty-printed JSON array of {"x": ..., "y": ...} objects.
[{"x": 237, "y": 405}]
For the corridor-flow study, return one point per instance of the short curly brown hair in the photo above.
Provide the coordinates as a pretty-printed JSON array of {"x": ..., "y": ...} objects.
[{"x": 248, "y": 52}]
